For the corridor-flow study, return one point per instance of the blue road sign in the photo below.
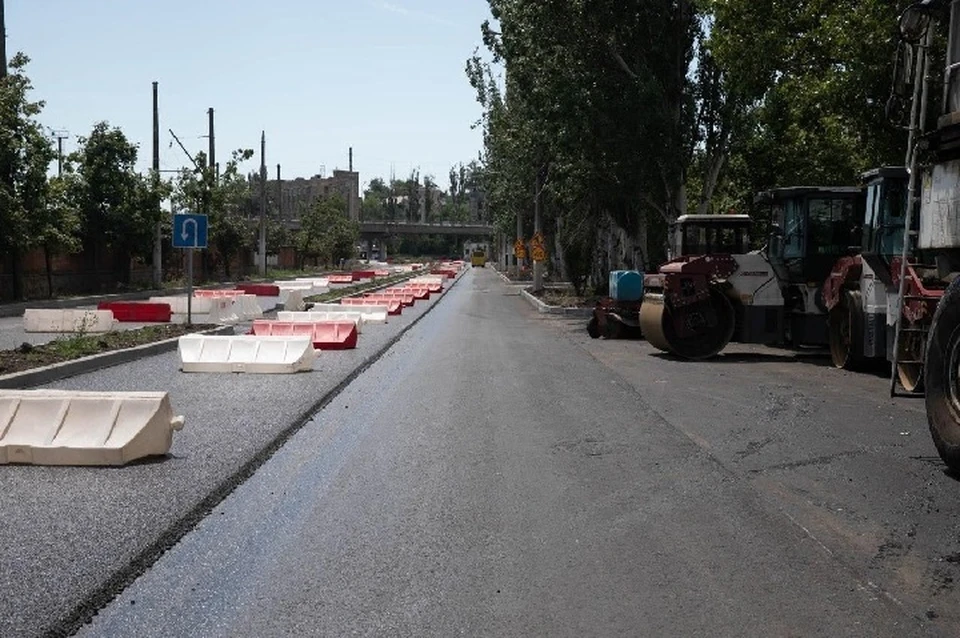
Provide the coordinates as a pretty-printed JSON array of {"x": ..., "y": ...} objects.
[{"x": 189, "y": 231}]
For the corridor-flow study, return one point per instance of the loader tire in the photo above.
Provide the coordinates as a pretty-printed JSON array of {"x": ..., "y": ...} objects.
[
  {"x": 942, "y": 377},
  {"x": 846, "y": 331}
]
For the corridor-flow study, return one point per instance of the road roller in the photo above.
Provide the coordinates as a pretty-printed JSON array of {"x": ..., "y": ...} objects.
[
  {"x": 618, "y": 316},
  {"x": 697, "y": 302}
]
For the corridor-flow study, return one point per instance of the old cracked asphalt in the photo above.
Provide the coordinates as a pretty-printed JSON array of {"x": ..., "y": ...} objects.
[{"x": 500, "y": 474}]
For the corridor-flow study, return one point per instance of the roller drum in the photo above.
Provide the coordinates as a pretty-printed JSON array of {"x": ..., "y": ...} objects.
[
  {"x": 710, "y": 325},
  {"x": 652, "y": 316}
]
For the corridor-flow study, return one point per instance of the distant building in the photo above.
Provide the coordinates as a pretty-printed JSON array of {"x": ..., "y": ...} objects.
[{"x": 300, "y": 193}]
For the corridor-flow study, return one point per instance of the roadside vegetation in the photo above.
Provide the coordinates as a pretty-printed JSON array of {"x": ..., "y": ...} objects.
[
  {"x": 76, "y": 346},
  {"x": 624, "y": 116}
]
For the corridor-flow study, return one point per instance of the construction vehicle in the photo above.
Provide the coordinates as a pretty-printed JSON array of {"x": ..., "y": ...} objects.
[
  {"x": 478, "y": 258},
  {"x": 697, "y": 303},
  {"x": 862, "y": 293},
  {"x": 930, "y": 292},
  {"x": 618, "y": 316}
]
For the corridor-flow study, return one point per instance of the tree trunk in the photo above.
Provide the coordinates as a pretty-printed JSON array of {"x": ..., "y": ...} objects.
[
  {"x": 47, "y": 260},
  {"x": 15, "y": 272}
]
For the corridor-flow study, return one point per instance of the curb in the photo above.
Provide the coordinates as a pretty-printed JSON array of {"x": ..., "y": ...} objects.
[
  {"x": 141, "y": 562},
  {"x": 83, "y": 365},
  {"x": 544, "y": 309},
  {"x": 507, "y": 280}
]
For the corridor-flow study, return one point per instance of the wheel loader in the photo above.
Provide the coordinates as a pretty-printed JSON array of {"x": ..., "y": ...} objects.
[
  {"x": 932, "y": 300},
  {"x": 618, "y": 316},
  {"x": 862, "y": 292},
  {"x": 697, "y": 303}
]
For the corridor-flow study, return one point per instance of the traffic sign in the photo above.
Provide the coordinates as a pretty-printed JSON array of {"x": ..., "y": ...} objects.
[
  {"x": 520, "y": 250},
  {"x": 538, "y": 248},
  {"x": 189, "y": 231}
]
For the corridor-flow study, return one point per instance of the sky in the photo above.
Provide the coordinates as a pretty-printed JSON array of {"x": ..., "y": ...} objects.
[{"x": 318, "y": 76}]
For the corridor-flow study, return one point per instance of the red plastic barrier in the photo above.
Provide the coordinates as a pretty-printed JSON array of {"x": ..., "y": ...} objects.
[
  {"x": 450, "y": 274},
  {"x": 326, "y": 335},
  {"x": 363, "y": 274},
  {"x": 406, "y": 300},
  {"x": 128, "y": 311},
  {"x": 340, "y": 279},
  {"x": 394, "y": 307},
  {"x": 418, "y": 293},
  {"x": 260, "y": 290},
  {"x": 218, "y": 293}
]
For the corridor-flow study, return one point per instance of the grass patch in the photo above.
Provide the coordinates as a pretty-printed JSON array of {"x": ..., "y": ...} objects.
[
  {"x": 75, "y": 346},
  {"x": 339, "y": 293}
]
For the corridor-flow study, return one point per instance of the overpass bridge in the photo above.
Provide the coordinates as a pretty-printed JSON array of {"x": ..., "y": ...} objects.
[
  {"x": 382, "y": 228},
  {"x": 373, "y": 229}
]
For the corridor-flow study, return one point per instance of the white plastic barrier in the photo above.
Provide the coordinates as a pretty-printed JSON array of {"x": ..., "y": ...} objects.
[
  {"x": 312, "y": 317},
  {"x": 428, "y": 279},
  {"x": 247, "y": 307},
  {"x": 292, "y": 299},
  {"x": 306, "y": 288},
  {"x": 58, "y": 427},
  {"x": 318, "y": 282},
  {"x": 202, "y": 310},
  {"x": 256, "y": 355},
  {"x": 370, "y": 314},
  {"x": 57, "y": 320}
]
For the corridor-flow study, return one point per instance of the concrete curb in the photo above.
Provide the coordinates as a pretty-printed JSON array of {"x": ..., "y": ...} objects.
[
  {"x": 142, "y": 561},
  {"x": 66, "y": 369},
  {"x": 544, "y": 309}
]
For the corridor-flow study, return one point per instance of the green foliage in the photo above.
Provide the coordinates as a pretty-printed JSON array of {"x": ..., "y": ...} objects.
[
  {"x": 228, "y": 202},
  {"x": 816, "y": 94},
  {"x": 25, "y": 155},
  {"x": 117, "y": 206},
  {"x": 326, "y": 233}
]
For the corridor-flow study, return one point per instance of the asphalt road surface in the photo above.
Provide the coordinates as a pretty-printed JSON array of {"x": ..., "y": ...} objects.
[
  {"x": 70, "y": 537},
  {"x": 500, "y": 474}
]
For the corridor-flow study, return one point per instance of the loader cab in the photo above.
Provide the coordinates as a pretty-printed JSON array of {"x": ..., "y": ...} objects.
[
  {"x": 811, "y": 227},
  {"x": 884, "y": 215},
  {"x": 711, "y": 235}
]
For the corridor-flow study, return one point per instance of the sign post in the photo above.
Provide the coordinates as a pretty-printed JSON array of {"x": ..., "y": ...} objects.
[{"x": 190, "y": 233}]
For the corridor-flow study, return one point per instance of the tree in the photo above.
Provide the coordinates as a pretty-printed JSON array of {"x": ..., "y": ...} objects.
[
  {"x": 25, "y": 155},
  {"x": 115, "y": 203},
  {"x": 326, "y": 233},
  {"x": 56, "y": 226},
  {"x": 228, "y": 201},
  {"x": 375, "y": 197},
  {"x": 815, "y": 97}
]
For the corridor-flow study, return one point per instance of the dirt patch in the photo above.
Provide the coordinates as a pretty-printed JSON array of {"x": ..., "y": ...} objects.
[
  {"x": 70, "y": 347},
  {"x": 565, "y": 298}
]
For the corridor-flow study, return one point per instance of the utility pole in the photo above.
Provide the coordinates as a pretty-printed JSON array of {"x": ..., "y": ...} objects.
[
  {"x": 158, "y": 227},
  {"x": 263, "y": 203},
  {"x": 60, "y": 135},
  {"x": 279, "y": 195},
  {"x": 213, "y": 147},
  {"x": 3, "y": 44},
  {"x": 537, "y": 266},
  {"x": 351, "y": 159}
]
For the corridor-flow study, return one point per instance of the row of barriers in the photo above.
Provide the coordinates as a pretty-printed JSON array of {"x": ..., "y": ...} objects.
[
  {"x": 52, "y": 427},
  {"x": 207, "y": 306}
]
